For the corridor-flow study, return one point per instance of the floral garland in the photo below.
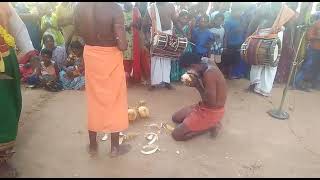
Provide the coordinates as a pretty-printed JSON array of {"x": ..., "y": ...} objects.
[{"x": 8, "y": 39}]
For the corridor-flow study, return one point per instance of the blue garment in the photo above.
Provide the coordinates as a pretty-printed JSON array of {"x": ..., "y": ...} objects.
[
  {"x": 33, "y": 80},
  {"x": 201, "y": 39},
  {"x": 71, "y": 84},
  {"x": 197, "y": 21},
  {"x": 310, "y": 69},
  {"x": 240, "y": 69},
  {"x": 234, "y": 31}
]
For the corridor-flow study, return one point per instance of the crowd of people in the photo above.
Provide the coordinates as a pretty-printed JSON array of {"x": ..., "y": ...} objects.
[
  {"x": 103, "y": 47},
  {"x": 215, "y": 31}
]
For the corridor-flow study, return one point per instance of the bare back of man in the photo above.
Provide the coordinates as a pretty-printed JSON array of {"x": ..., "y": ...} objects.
[
  {"x": 101, "y": 24},
  {"x": 205, "y": 116},
  {"x": 95, "y": 22}
]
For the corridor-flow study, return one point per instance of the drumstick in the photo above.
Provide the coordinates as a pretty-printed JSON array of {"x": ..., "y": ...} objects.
[{"x": 191, "y": 43}]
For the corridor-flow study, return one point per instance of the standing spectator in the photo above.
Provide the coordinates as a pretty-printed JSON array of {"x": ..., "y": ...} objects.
[
  {"x": 288, "y": 51},
  {"x": 176, "y": 70},
  {"x": 309, "y": 76},
  {"x": 132, "y": 19},
  {"x": 233, "y": 39},
  {"x": 202, "y": 38},
  {"x": 160, "y": 66},
  {"x": 101, "y": 25},
  {"x": 218, "y": 31}
]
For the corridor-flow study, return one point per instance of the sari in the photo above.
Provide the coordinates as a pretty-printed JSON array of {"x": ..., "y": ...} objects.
[
  {"x": 132, "y": 54},
  {"x": 10, "y": 94}
]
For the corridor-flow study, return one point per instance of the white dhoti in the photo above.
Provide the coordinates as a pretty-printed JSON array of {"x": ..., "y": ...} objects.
[
  {"x": 160, "y": 70},
  {"x": 263, "y": 76}
]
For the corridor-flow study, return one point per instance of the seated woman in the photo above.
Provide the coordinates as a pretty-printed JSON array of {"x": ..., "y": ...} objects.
[
  {"x": 59, "y": 54},
  {"x": 26, "y": 64},
  {"x": 72, "y": 74},
  {"x": 48, "y": 77}
]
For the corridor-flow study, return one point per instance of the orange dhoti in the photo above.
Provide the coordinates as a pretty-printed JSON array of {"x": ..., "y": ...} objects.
[
  {"x": 105, "y": 89},
  {"x": 203, "y": 118}
]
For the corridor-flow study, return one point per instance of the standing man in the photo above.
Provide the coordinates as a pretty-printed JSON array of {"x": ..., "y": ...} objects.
[
  {"x": 161, "y": 17},
  {"x": 13, "y": 34},
  {"x": 101, "y": 25},
  {"x": 232, "y": 62},
  {"x": 261, "y": 76},
  {"x": 309, "y": 75}
]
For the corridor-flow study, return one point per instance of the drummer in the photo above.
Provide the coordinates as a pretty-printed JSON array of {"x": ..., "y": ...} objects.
[
  {"x": 202, "y": 37},
  {"x": 206, "y": 115}
]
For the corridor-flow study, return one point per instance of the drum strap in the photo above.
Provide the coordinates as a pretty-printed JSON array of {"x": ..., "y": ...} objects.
[{"x": 153, "y": 19}]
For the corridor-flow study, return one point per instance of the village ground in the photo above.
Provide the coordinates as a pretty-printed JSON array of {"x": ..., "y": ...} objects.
[{"x": 52, "y": 137}]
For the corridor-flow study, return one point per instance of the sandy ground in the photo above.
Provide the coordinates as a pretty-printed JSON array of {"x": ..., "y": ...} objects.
[{"x": 52, "y": 137}]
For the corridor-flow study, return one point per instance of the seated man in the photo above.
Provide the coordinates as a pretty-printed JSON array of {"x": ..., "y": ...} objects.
[{"x": 205, "y": 115}]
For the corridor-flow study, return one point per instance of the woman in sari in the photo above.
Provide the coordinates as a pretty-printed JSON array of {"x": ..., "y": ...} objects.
[
  {"x": 72, "y": 75},
  {"x": 49, "y": 25},
  {"x": 10, "y": 94},
  {"x": 184, "y": 31},
  {"x": 132, "y": 54},
  {"x": 59, "y": 55}
]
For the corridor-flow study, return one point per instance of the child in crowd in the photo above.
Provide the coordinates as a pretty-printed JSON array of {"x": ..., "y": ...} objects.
[
  {"x": 31, "y": 72},
  {"x": 29, "y": 68},
  {"x": 48, "y": 72},
  {"x": 202, "y": 38}
]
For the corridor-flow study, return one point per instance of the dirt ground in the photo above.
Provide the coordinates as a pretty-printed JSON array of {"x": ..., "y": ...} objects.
[{"x": 52, "y": 137}]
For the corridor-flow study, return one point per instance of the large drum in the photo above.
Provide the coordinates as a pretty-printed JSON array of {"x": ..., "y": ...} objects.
[
  {"x": 166, "y": 45},
  {"x": 261, "y": 51}
]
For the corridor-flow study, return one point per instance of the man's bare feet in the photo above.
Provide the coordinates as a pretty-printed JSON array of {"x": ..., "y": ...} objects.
[
  {"x": 92, "y": 149},
  {"x": 7, "y": 171},
  {"x": 120, "y": 150}
]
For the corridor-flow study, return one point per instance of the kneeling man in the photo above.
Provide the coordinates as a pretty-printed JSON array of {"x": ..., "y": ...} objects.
[{"x": 206, "y": 115}]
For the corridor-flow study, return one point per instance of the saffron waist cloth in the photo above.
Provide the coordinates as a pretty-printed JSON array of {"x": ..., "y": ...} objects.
[
  {"x": 203, "y": 118},
  {"x": 10, "y": 101},
  {"x": 106, "y": 89}
]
